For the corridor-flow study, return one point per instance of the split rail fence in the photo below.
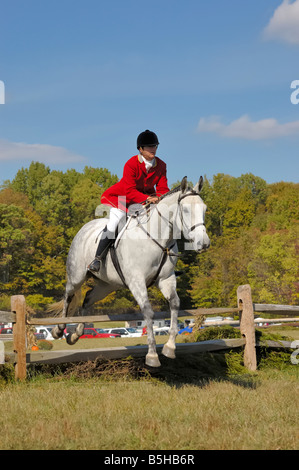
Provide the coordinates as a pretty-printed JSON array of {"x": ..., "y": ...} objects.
[{"x": 245, "y": 309}]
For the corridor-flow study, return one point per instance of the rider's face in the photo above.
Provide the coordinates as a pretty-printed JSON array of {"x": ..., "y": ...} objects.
[{"x": 148, "y": 152}]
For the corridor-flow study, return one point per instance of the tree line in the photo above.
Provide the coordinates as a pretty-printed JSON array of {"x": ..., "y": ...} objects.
[{"x": 253, "y": 227}]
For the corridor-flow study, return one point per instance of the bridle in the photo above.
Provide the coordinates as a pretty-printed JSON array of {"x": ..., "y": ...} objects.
[
  {"x": 182, "y": 196},
  {"x": 166, "y": 249}
]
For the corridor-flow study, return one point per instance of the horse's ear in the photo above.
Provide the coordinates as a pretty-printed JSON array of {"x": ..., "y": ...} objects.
[
  {"x": 198, "y": 187},
  {"x": 184, "y": 184}
]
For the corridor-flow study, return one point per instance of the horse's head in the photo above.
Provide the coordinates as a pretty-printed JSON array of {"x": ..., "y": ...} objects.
[{"x": 191, "y": 215}]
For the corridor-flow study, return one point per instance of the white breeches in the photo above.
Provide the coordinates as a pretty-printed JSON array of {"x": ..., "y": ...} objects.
[{"x": 116, "y": 216}]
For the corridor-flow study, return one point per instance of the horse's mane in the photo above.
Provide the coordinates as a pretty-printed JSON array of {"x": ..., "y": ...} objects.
[{"x": 172, "y": 191}]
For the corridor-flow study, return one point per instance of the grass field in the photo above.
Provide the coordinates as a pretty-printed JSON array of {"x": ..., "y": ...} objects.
[{"x": 207, "y": 401}]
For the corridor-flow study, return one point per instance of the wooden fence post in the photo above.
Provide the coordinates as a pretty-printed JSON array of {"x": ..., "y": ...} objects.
[
  {"x": 247, "y": 327},
  {"x": 18, "y": 305}
]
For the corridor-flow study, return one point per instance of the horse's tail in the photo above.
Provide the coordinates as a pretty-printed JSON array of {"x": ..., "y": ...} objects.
[{"x": 56, "y": 309}]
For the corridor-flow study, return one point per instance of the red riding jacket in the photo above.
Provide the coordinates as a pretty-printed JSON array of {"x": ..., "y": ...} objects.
[{"x": 136, "y": 184}]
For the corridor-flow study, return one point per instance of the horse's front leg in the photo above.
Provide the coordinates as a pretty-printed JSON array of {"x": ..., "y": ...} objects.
[
  {"x": 168, "y": 289},
  {"x": 140, "y": 293},
  {"x": 152, "y": 358}
]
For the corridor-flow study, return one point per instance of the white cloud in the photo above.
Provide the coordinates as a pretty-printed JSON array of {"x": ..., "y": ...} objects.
[
  {"x": 244, "y": 128},
  {"x": 38, "y": 152},
  {"x": 284, "y": 24}
]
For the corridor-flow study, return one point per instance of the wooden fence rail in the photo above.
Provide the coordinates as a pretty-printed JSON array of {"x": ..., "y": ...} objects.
[{"x": 246, "y": 308}]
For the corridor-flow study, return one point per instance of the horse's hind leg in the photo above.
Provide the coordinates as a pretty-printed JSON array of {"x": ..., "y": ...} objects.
[
  {"x": 168, "y": 289},
  {"x": 98, "y": 292},
  {"x": 57, "y": 331},
  {"x": 71, "y": 296}
]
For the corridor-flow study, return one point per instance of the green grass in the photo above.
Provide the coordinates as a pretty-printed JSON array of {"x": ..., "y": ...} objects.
[
  {"x": 203, "y": 401},
  {"x": 259, "y": 412}
]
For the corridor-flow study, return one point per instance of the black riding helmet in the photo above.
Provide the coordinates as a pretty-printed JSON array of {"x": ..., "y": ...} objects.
[{"x": 147, "y": 138}]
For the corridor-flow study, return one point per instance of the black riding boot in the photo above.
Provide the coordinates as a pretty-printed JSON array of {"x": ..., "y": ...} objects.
[{"x": 106, "y": 240}]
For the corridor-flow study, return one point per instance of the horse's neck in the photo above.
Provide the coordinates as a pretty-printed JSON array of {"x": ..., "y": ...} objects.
[
  {"x": 168, "y": 207},
  {"x": 163, "y": 218}
]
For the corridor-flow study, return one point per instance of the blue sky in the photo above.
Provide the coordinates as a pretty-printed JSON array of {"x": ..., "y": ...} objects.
[{"x": 211, "y": 78}]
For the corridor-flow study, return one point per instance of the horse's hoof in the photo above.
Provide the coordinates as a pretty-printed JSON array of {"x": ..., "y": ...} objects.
[
  {"x": 72, "y": 338},
  {"x": 57, "y": 333},
  {"x": 168, "y": 352},
  {"x": 80, "y": 329},
  {"x": 152, "y": 360}
]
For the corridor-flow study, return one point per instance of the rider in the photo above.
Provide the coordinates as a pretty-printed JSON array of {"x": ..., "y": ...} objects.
[{"x": 142, "y": 173}]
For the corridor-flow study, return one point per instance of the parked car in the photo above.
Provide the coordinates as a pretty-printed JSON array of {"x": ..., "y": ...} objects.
[
  {"x": 161, "y": 331},
  {"x": 185, "y": 331},
  {"x": 98, "y": 333},
  {"x": 39, "y": 336},
  {"x": 6, "y": 331},
  {"x": 124, "y": 332},
  {"x": 46, "y": 331}
]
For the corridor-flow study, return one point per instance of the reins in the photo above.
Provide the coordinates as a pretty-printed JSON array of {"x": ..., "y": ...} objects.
[
  {"x": 147, "y": 206},
  {"x": 166, "y": 251}
]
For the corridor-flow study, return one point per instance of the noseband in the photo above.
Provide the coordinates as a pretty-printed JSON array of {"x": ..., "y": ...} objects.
[{"x": 182, "y": 196}]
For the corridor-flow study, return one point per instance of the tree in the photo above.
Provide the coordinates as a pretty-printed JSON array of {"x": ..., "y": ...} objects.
[
  {"x": 274, "y": 268},
  {"x": 239, "y": 214},
  {"x": 15, "y": 240},
  {"x": 283, "y": 204},
  {"x": 29, "y": 181},
  {"x": 232, "y": 201},
  {"x": 28, "y": 248},
  {"x": 222, "y": 269},
  {"x": 52, "y": 204},
  {"x": 101, "y": 176},
  {"x": 85, "y": 196}
]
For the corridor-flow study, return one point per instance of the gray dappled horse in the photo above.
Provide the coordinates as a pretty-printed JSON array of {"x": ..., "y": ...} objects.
[{"x": 146, "y": 252}]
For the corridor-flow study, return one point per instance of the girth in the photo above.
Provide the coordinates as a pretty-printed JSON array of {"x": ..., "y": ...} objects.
[{"x": 118, "y": 269}]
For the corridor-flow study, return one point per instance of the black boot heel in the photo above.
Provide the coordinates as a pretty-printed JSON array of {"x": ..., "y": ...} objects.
[{"x": 94, "y": 266}]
